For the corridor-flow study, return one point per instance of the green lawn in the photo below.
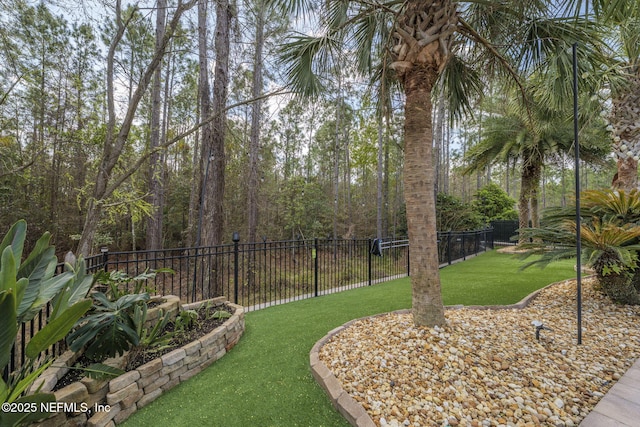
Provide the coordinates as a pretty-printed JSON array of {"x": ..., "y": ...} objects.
[{"x": 266, "y": 381}]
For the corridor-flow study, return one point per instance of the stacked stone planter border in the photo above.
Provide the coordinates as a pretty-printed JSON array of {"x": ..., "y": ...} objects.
[{"x": 107, "y": 403}]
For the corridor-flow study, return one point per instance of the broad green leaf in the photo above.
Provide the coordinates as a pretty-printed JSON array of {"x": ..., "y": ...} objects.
[
  {"x": 221, "y": 314},
  {"x": 128, "y": 300},
  {"x": 103, "y": 301},
  {"x": 21, "y": 287},
  {"x": 76, "y": 290},
  {"x": 7, "y": 270},
  {"x": 25, "y": 383},
  {"x": 38, "y": 267},
  {"x": 57, "y": 329},
  {"x": 38, "y": 263},
  {"x": 38, "y": 295},
  {"x": 100, "y": 371},
  {"x": 15, "y": 239},
  {"x": 4, "y": 390},
  {"x": 9, "y": 328}
]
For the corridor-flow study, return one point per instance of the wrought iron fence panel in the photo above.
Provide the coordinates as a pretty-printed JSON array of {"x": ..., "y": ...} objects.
[{"x": 261, "y": 274}]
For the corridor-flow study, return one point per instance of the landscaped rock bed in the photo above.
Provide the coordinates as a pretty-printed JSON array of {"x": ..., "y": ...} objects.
[
  {"x": 107, "y": 403},
  {"x": 485, "y": 367}
]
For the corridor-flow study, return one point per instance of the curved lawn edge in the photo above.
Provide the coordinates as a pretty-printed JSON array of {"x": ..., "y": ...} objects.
[{"x": 350, "y": 409}]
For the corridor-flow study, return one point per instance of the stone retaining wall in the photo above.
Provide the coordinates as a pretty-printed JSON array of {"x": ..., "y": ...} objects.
[{"x": 108, "y": 403}]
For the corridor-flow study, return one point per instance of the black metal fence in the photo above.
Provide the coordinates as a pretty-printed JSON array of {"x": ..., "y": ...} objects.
[
  {"x": 505, "y": 232},
  {"x": 458, "y": 245},
  {"x": 258, "y": 275}
]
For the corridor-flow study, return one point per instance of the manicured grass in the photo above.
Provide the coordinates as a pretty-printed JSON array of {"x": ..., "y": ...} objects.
[
  {"x": 497, "y": 279},
  {"x": 266, "y": 381}
]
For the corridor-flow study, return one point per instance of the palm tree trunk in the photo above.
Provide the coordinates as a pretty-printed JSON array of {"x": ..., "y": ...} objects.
[
  {"x": 626, "y": 127},
  {"x": 419, "y": 179},
  {"x": 418, "y": 63},
  {"x": 528, "y": 201},
  {"x": 627, "y": 176}
]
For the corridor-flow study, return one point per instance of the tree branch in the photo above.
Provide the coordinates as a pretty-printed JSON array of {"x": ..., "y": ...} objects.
[{"x": 136, "y": 166}]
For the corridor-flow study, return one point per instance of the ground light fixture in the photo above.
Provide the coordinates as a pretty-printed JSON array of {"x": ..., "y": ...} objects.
[{"x": 539, "y": 327}]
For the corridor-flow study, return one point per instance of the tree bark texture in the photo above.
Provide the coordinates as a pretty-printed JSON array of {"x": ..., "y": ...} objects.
[
  {"x": 213, "y": 222},
  {"x": 528, "y": 200},
  {"x": 419, "y": 181},
  {"x": 423, "y": 35},
  {"x": 204, "y": 99},
  {"x": 256, "y": 116},
  {"x": 214, "y": 176},
  {"x": 625, "y": 119},
  {"x": 156, "y": 161}
]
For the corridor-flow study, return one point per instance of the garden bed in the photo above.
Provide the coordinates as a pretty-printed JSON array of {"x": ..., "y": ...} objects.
[{"x": 107, "y": 403}]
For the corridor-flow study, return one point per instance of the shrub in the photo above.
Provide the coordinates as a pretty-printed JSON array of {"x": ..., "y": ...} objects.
[
  {"x": 493, "y": 203},
  {"x": 453, "y": 215},
  {"x": 610, "y": 239}
]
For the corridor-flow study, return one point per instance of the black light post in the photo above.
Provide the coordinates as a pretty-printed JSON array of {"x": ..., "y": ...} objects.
[{"x": 577, "y": 177}]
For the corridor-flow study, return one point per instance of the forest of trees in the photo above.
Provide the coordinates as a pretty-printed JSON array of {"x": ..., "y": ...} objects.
[{"x": 113, "y": 115}]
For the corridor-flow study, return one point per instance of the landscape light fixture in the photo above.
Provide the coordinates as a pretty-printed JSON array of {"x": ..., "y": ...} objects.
[{"x": 539, "y": 327}]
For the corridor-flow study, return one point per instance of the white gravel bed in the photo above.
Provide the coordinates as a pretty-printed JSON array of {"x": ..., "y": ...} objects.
[{"x": 485, "y": 367}]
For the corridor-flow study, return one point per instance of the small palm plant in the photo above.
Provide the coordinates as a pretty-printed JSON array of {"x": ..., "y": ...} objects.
[{"x": 610, "y": 240}]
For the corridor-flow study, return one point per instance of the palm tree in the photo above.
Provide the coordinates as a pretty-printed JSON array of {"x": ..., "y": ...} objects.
[
  {"x": 610, "y": 240},
  {"x": 531, "y": 135},
  {"x": 623, "y": 18},
  {"x": 423, "y": 44}
]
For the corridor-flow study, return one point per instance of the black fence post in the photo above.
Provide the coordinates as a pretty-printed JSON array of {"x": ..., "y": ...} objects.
[
  {"x": 369, "y": 261},
  {"x": 449, "y": 247},
  {"x": 105, "y": 257},
  {"x": 236, "y": 250},
  {"x": 408, "y": 261},
  {"x": 484, "y": 239},
  {"x": 314, "y": 253},
  {"x": 464, "y": 250}
]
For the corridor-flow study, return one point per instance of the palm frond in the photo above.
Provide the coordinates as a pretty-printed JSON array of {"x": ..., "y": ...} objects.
[
  {"x": 630, "y": 38},
  {"x": 460, "y": 83},
  {"x": 305, "y": 58},
  {"x": 292, "y": 7}
]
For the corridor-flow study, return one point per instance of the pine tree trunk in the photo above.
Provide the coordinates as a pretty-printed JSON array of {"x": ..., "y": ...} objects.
[
  {"x": 254, "y": 143},
  {"x": 214, "y": 184},
  {"x": 156, "y": 166}
]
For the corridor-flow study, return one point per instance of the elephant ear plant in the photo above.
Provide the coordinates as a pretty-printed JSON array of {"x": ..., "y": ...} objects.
[{"x": 26, "y": 287}]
